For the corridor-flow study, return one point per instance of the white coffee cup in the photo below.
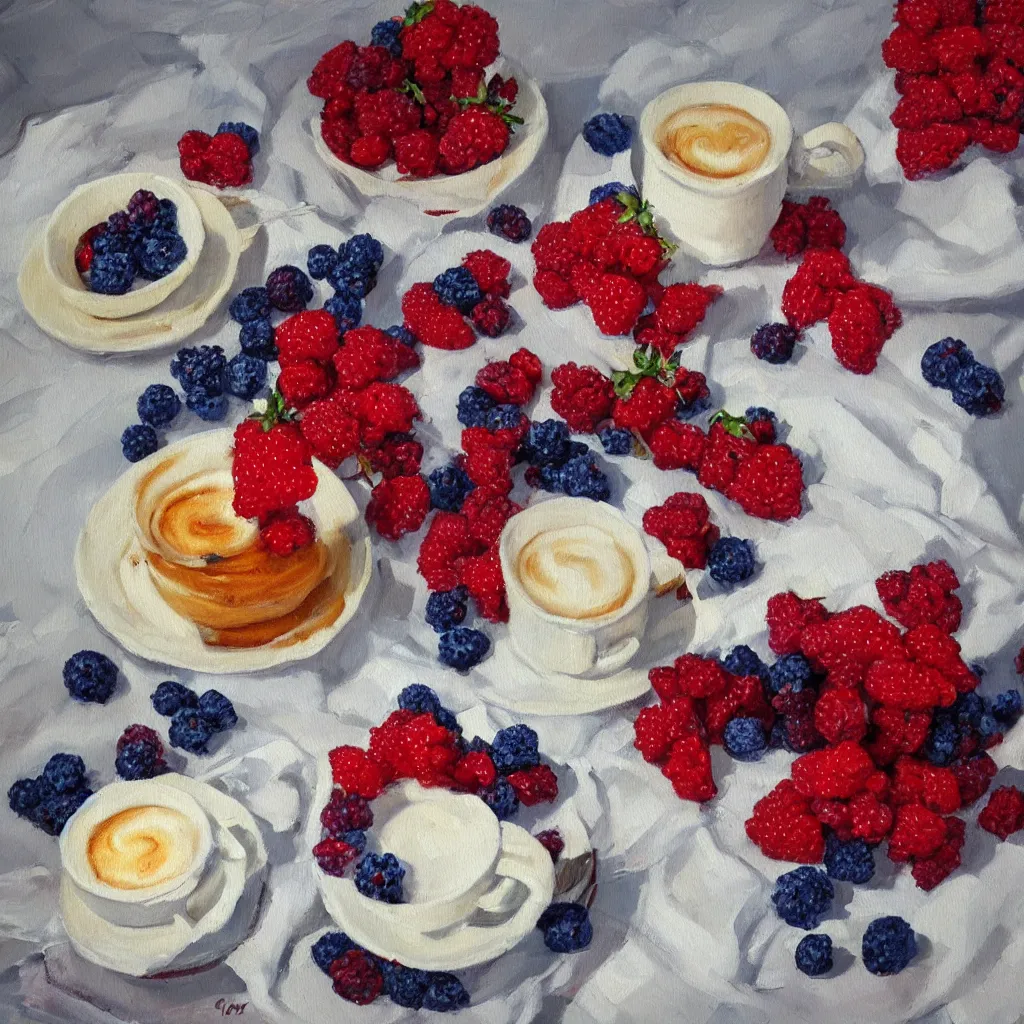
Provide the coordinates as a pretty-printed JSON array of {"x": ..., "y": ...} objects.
[
  {"x": 726, "y": 220},
  {"x": 599, "y": 644},
  {"x": 141, "y": 904}
]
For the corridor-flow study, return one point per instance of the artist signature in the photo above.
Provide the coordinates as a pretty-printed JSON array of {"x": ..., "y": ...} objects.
[{"x": 229, "y": 1009}]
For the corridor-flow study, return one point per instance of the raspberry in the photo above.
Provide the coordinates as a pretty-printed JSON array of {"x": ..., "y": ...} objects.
[
  {"x": 683, "y": 306},
  {"x": 309, "y": 335},
  {"x": 922, "y": 595},
  {"x": 743, "y": 697},
  {"x": 1004, "y": 12},
  {"x": 1004, "y": 813},
  {"x": 357, "y": 978},
  {"x": 482, "y": 577},
  {"x": 997, "y": 138},
  {"x": 385, "y": 409},
  {"x": 649, "y": 404},
  {"x": 415, "y": 747},
  {"x": 804, "y": 302},
  {"x": 489, "y": 270},
  {"x": 369, "y": 355},
  {"x": 487, "y": 511},
  {"x": 491, "y": 316},
  {"x": 689, "y": 770},
  {"x": 344, "y": 813},
  {"x": 787, "y": 617},
  {"x": 331, "y": 432},
  {"x": 870, "y": 819},
  {"x": 658, "y": 727},
  {"x": 356, "y": 774},
  {"x": 973, "y": 778},
  {"x": 616, "y": 301},
  {"x": 840, "y": 715},
  {"x": 534, "y": 786},
  {"x": 398, "y": 456},
  {"x": 373, "y": 68},
  {"x": 435, "y": 324},
  {"x": 928, "y": 101},
  {"x": 960, "y": 47},
  {"x": 271, "y": 469},
  {"x": 917, "y": 832},
  {"x": 303, "y": 382},
  {"x": 903, "y": 684},
  {"x": 899, "y": 732},
  {"x": 552, "y": 841},
  {"x": 555, "y": 291},
  {"x": 474, "y": 136},
  {"x": 782, "y": 827},
  {"x": 505, "y": 383},
  {"x": 769, "y": 484},
  {"x": 554, "y": 249},
  {"x": 858, "y": 331},
  {"x": 923, "y": 151},
  {"x": 851, "y": 640},
  {"x": 398, "y": 506},
  {"x": 285, "y": 532},
  {"x": 387, "y": 112},
  {"x": 370, "y": 151},
  {"x": 928, "y": 872},
  {"x": 589, "y": 226},
  {"x": 446, "y": 544},
  {"x": 682, "y": 524},
  {"x": 582, "y": 396},
  {"x": 839, "y": 771},
  {"x": 699, "y": 677},
  {"x": 475, "y": 770},
  {"x": 523, "y": 359},
  {"x": 813, "y": 224},
  {"x": 416, "y": 153},
  {"x": 724, "y": 454},
  {"x": 905, "y": 50},
  {"x": 489, "y": 468}
]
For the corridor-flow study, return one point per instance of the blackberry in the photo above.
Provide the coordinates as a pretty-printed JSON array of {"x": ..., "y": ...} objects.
[
  {"x": 509, "y": 222},
  {"x": 582, "y": 478},
  {"x": 250, "y": 304},
  {"x": 447, "y": 720},
  {"x": 166, "y": 216},
  {"x": 404, "y": 986},
  {"x": 245, "y": 132},
  {"x": 363, "y": 250},
  {"x": 446, "y": 609},
  {"x": 53, "y": 814},
  {"x": 170, "y": 697},
  {"x": 461, "y": 648},
  {"x": 190, "y": 731},
  {"x": 329, "y": 947},
  {"x": 90, "y": 676},
  {"x": 64, "y": 773},
  {"x": 321, "y": 260},
  {"x": 218, "y": 711},
  {"x": 138, "y": 441},
  {"x": 199, "y": 369},
  {"x": 1006, "y": 708},
  {"x": 503, "y": 417},
  {"x": 940, "y": 746},
  {"x": 346, "y": 309},
  {"x": 742, "y": 661},
  {"x": 731, "y": 561},
  {"x": 143, "y": 207},
  {"x": 888, "y": 946},
  {"x": 745, "y": 739},
  {"x": 420, "y": 699},
  {"x": 457, "y": 287},
  {"x": 616, "y": 441},
  {"x": 27, "y": 794},
  {"x": 514, "y": 749},
  {"x": 158, "y": 405},
  {"x": 850, "y": 861},
  {"x": 288, "y": 289},
  {"x": 608, "y": 134},
  {"x": 814, "y": 955},
  {"x": 547, "y": 443},
  {"x": 139, "y": 761},
  {"x": 111, "y": 273},
  {"x": 942, "y": 360},
  {"x": 803, "y": 896},
  {"x": 211, "y": 408},
  {"x": 386, "y": 33},
  {"x": 566, "y": 927},
  {"x": 501, "y": 798},
  {"x": 792, "y": 670},
  {"x": 774, "y": 343},
  {"x": 402, "y": 333},
  {"x": 610, "y": 191},
  {"x": 257, "y": 340},
  {"x": 379, "y": 876},
  {"x": 245, "y": 376},
  {"x": 158, "y": 255},
  {"x": 445, "y": 993},
  {"x": 977, "y": 389},
  {"x": 449, "y": 487},
  {"x": 474, "y": 406}
]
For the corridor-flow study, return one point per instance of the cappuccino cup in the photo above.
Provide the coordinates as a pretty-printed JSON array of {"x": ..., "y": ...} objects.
[
  {"x": 718, "y": 157},
  {"x": 137, "y": 852},
  {"x": 577, "y": 577}
]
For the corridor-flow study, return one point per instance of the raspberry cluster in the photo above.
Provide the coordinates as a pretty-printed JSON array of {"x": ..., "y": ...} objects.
[
  {"x": 49, "y": 799},
  {"x": 861, "y": 317},
  {"x": 443, "y": 313},
  {"x": 609, "y": 255},
  {"x": 418, "y": 93},
  {"x": 223, "y": 160},
  {"x": 890, "y": 727},
  {"x": 958, "y": 72},
  {"x": 810, "y": 225}
]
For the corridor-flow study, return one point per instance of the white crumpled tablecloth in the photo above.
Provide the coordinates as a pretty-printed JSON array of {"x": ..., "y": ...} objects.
[{"x": 895, "y": 472}]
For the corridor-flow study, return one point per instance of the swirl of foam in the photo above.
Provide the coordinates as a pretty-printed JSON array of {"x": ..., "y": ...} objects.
[
  {"x": 715, "y": 140},
  {"x": 577, "y": 572},
  {"x": 142, "y": 847}
]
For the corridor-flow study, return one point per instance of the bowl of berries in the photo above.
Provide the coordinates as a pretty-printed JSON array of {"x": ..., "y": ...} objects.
[
  {"x": 430, "y": 111},
  {"x": 120, "y": 245}
]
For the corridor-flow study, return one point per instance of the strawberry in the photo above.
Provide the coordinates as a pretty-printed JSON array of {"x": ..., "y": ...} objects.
[
  {"x": 923, "y": 151},
  {"x": 616, "y": 302},
  {"x": 769, "y": 484},
  {"x": 271, "y": 469}
]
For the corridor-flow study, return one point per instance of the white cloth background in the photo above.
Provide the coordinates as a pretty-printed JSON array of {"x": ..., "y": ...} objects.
[{"x": 896, "y": 473}]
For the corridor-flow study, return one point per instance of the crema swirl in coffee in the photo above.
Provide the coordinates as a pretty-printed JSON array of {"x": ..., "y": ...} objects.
[
  {"x": 577, "y": 572},
  {"x": 142, "y": 847},
  {"x": 715, "y": 140}
]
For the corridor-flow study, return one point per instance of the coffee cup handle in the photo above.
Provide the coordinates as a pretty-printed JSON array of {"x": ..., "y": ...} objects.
[
  {"x": 829, "y": 156},
  {"x": 520, "y": 862}
]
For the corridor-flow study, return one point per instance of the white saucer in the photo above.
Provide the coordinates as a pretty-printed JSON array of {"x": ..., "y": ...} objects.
[
  {"x": 182, "y": 313},
  {"x": 181, "y": 946},
  {"x": 108, "y": 556},
  {"x": 448, "y": 195}
]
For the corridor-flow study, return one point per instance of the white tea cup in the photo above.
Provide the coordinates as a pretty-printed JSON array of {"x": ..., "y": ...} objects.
[
  {"x": 577, "y": 575},
  {"x": 726, "y": 219},
  {"x": 137, "y": 852}
]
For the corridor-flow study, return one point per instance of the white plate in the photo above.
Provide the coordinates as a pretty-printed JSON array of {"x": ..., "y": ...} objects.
[
  {"x": 451, "y": 194},
  {"x": 182, "y": 313},
  {"x": 145, "y": 625},
  {"x": 179, "y": 946}
]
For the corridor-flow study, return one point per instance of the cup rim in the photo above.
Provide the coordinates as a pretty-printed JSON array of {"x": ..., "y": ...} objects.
[
  {"x": 641, "y": 587},
  {"x": 731, "y": 91},
  {"x": 122, "y": 796}
]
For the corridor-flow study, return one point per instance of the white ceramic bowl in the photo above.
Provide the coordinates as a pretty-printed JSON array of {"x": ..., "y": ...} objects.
[
  {"x": 93, "y": 203},
  {"x": 466, "y": 193}
]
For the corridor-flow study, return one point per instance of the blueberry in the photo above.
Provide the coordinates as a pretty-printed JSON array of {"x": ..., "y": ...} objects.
[
  {"x": 474, "y": 406},
  {"x": 501, "y": 798},
  {"x": 217, "y": 710},
  {"x": 346, "y": 309},
  {"x": 814, "y": 955},
  {"x": 190, "y": 731},
  {"x": 211, "y": 408},
  {"x": 446, "y": 609},
  {"x": 65, "y": 772},
  {"x": 245, "y": 376},
  {"x": 889, "y": 944},
  {"x": 731, "y": 560},
  {"x": 158, "y": 405},
  {"x": 169, "y": 697},
  {"x": 90, "y": 676},
  {"x": 745, "y": 739},
  {"x": 111, "y": 273},
  {"x": 159, "y": 255},
  {"x": 330, "y": 947},
  {"x": 250, "y": 304},
  {"x": 514, "y": 749},
  {"x": 445, "y": 993},
  {"x": 449, "y": 488},
  {"x": 320, "y": 261},
  {"x": 608, "y": 134},
  {"x": 257, "y": 340},
  {"x": 138, "y": 441},
  {"x": 461, "y": 648},
  {"x": 566, "y": 927},
  {"x": 616, "y": 441},
  {"x": 457, "y": 287},
  {"x": 611, "y": 190},
  {"x": 139, "y": 761}
]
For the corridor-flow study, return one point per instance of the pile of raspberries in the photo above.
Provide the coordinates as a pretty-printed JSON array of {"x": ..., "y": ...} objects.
[
  {"x": 740, "y": 460},
  {"x": 442, "y": 314},
  {"x": 223, "y": 160},
  {"x": 418, "y": 93},
  {"x": 892, "y": 734},
  {"x": 958, "y": 72},
  {"x": 861, "y": 317},
  {"x": 609, "y": 255}
]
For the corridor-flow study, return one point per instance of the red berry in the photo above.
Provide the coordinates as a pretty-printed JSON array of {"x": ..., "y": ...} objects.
[
  {"x": 443, "y": 549},
  {"x": 688, "y": 768},
  {"x": 302, "y": 382},
  {"x": 489, "y": 270},
  {"x": 683, "y": 306},
  {"x": 682, "y": 524},
  {"x": 616, "y": 301},
  {"x": 482, "y": 577},
  {"x": 783, "y": 827},
  {"x": 535, "y": 786},
  {"x": 677, "y": 445},
  {"x": 582, "y": 396},
  {"x": 357, "y": 978},
  {"x": 1004, "y": 813},
  {"x": 416, "y": 153},
  {"x": 355, "y": 773},
  {"x": 286, "y": 532},
  {"x": 787, "y": 617},
  {"x": 272, "y": 469},
  {"x": 555, "y": 291},
  {"x": 923, "y": 151},
  {"x": 398, "y": 506},
  {"x": 474, "y": 136}
]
